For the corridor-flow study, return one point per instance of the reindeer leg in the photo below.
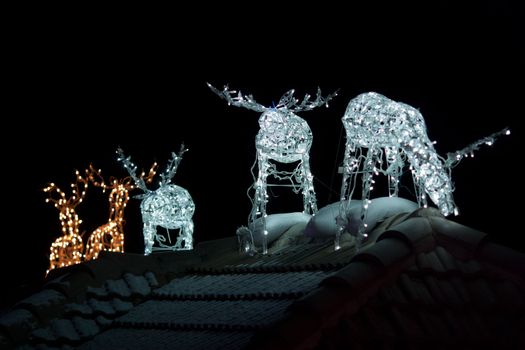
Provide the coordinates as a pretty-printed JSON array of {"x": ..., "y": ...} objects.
[
  {"x": 351, "y": 165},
  {"x": 186, "y": 235},
  {"x": 149, "y": 232},
  {"x": 395, "y": 165},
  {"x": 368, "y": 172},
  {"x": 261, "y": 196},
  {"x": 307, "y": 186}
]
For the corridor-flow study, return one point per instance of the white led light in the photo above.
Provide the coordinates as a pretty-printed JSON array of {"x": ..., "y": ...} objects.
[
  {"x": 283, "y": 137},
  {"x": 379, "y": 129},
  {"x": 170, "y": 207}
]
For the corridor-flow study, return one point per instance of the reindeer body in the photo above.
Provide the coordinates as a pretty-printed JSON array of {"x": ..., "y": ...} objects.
[
  {"x": 285, "y": 138},
  {"x": 67, "y": 250},
  {"x": 170, "y": 207},
  {"x": 110, "y": 236},
  {"x": 391, "y": 133}
]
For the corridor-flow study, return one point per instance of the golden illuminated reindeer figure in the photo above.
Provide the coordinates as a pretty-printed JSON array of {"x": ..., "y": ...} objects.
[
  {"x": 382, "y": 136},
  {"x": 283, "y": 137},
  {"x": 110, "y": 236},
  {"x": 68, "y": 249},
  {"x": 170, "y": 207}
]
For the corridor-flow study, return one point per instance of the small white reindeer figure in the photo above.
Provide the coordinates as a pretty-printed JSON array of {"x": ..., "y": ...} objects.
[
  {"x": 283, "y": 137},
  {"x": 110, "y": 236},
  {"x": 395, "y": 132},
  {"x": 170, "y": 207},
  {"x": 67, "y": 249}
]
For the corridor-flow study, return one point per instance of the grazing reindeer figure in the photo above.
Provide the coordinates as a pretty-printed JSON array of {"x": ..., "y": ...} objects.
[
  {"x": 285, "y": 138},
  {"x": 110, "y": 236},
  {"x": 395, "y": 132},
  {"x": 170, "y": 207},
  {"x": 68, "y": 249}
]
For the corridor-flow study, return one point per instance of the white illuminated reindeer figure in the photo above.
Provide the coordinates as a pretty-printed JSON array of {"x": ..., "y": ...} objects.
[
  {"x": 67, "y": 249},
  {"x": 110, "y": 236},
  {"x": 283, "y": 137},
  {"x": 170, "y": 207},
  {"x": 393, "y": 133}
]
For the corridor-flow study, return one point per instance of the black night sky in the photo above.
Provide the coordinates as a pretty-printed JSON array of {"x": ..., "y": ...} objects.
[{"x": 77, "y": 92}]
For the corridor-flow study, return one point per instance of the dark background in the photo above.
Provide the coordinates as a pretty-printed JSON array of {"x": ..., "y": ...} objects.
[{"x": 78, "y": 89}]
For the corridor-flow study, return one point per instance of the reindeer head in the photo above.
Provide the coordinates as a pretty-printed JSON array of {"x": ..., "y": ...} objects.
[
  {"x": 119, "y": 190},
  {"x": 68, "y": 217},
  {"x": 283, "y": 136},
  {"x": 170, "y": 206}
]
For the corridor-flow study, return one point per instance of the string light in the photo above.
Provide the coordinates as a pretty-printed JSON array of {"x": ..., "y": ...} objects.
[
  {"x": 110, "y": 236},
  {"x": 382, "y": 136},
  {"x": 283, "y": 137},
  {"x": 67, "y": 249},
  {"x": 170, "y": 207}
]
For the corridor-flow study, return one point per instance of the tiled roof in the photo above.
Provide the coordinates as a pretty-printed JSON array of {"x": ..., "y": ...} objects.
[
  {"x": 423, "y": 281},
  {"x": 222, "y": 306},
  {"x": 426, "y": 283}
]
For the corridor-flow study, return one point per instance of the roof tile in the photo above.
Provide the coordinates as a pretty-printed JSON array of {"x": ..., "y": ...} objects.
[
  {"x": 406, "y": 322},
  {"x": 433, "y": 325},
  {"x": 385, "y": 252},
  {"x": 450, "y": 293},
  {"x": 152, "y": 279},
  {"x": 416, "y": 231},
  {"x": 250, "y": 284},
  {"x": 376, "y": 321},
  {"x": 85, "y": 327},
  {"x": 64, "y": 329},
  {"x": 18, "y": 324},
  {"x": 458, "y": 284},
  {"x": 118, "y": 287},
  {"x": 434, "y": 289},
  {"x": 138, "y": 285},
  {"x": 509, "y": 261},
  {"x": 356, "y": 275},
  {"x": 78, "y": 309},
  {"x": 460, "y": 240},
  {"x": 509, "y": 295},
  {"x": 433, "y": 260},
  {"x": 392, "y": 295},
  {"x": 205, "y": 313},
  {"x": 480, "y": 293},
  {"x": 447, "y": 260},
  {"x": 100, "y": 307},
  {"x": 161, "y": 339},
  {"x": 469, "y": 267}
]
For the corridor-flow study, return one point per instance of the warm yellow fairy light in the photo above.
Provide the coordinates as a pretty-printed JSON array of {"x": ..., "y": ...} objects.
[
  {"x": 110, "y": 236},
  {"x": 68, "y": 249}
]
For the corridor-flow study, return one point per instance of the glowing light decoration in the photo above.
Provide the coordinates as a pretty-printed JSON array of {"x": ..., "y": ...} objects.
[
  {"x": 170, "y": 207},
  {"x": 67, "y": 249},
  {"x": 381, "y": 137},
  {"x": 110, "y": 236},
  {"x": 283, "y": 137}
]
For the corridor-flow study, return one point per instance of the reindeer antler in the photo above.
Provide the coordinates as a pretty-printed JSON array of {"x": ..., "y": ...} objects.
[
  {"x": 289, "y": 102},
  {"x": 453, "y": 158},
  {"x": 173, "y": 164},
  {"x": 246, "y": 101},
  {"x": 62, "y": 201},
  {"x": 140, "y": 181},
  {"x": 95, "y": 176}
]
